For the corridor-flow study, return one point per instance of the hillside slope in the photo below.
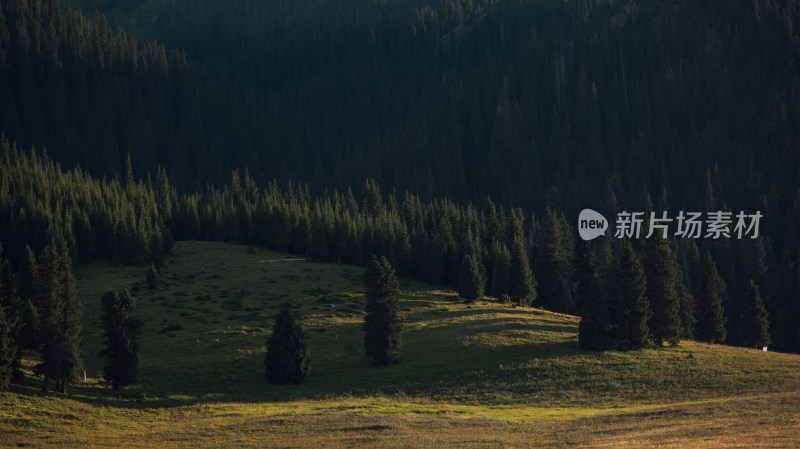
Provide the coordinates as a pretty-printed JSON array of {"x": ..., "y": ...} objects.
[{"x": 481, "y": 375}]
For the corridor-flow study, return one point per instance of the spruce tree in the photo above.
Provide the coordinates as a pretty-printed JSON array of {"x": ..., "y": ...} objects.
[
  {"x": 501, "y": 269},
  {"x": 152, "y": 277},
  {"x": 287, "y": 359},
  {"x": 585, "y": 276},
  {"x": 754, "y": 320},
  {"x": 371, "y": 198},
  {"x": 28, "y": 329},
  {"x": 71, "y": 323},
  {"x": 60, "y": 318},
  {"x": 553, "y": 265},
  {"x": 8, "y": 348},
  {"x": 687, "y": 312},
  {"x": 26, "y": 276},
  {"x": 593, "y": 327},
  {"x": 382, "y": 322},
  {"x": 10, "y": 366},
  {"x": 633, "y": 311},
  {"x": 663, "y": 286},
  {"x": 708, "y": 298},
  {"x": 522, "y": 285},
  {"x": 471, "y": 278},
  {"x": 51, "y": 305},
  {"x": 120, "y": 339},
  {"x": 28, "y": 338}
]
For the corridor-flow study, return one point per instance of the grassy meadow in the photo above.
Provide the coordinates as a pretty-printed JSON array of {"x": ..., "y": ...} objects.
[{"x": 470, "y": 375}]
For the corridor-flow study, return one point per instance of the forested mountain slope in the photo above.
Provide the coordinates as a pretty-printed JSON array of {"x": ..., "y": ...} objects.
[{"x": 443, "y": 98}]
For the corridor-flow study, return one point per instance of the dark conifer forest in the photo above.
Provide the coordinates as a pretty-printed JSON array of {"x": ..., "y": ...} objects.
[{"x": 458, "y": 139}]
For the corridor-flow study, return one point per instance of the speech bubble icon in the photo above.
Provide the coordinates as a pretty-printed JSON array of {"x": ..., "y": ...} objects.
[{"x": 591, "y": 224}]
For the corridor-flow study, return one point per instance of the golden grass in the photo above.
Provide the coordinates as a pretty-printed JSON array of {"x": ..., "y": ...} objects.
[{"x": 478, "y": 375}]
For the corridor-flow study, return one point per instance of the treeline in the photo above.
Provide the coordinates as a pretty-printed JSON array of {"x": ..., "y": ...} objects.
[
  {"x": 460, "y": 99},
  {"x": 40, "y": 310},
  {"x": 527, "y": 260},
  {"x": 39, "y": 201},
  {"x": 442, "y": 98}
]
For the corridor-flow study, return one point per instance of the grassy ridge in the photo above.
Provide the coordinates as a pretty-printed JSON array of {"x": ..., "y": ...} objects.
[{"x": 481, "y": 375}]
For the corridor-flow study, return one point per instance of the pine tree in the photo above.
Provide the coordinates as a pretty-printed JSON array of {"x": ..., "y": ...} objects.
[
  {"x": 320, "y": 230},
  {"x": 8, "y": 349},
  {"x": 10, "y": 366},
  {"x": 371, "y": 198},
  {"x": 130, "y": 181},
  {"x": 71, "y": 322},
  {"x": 28, "y": 333},
  {"x": 553, "y": 265},
  {"x": 28, "y": 338},
  {"x": 60, "y": 318},
  {"x": 522, "y": 285},
  {"x": 663, "y": 285},
  {"x": 191, "y": 221},
  {"x": 753, "y": 321},
  {"x": 471, "y": 278},
  {"x": 708, "y": 299},
  {"x": 593, "y": 327},
  {"x": 152, "y": 277},
  {"x": 585, "y": 276},
  {"x": 287, "y": 359},
  {"x": 26, "y": 277},
  {"x": 49, "y": 298},
  {"x": 382, "y": 322},
  {"x": 633, "y": 311},
  {"x": 687, "y": 312},
  {"x": 120, "y": 339},
  {"x": 501, "y": 269}
]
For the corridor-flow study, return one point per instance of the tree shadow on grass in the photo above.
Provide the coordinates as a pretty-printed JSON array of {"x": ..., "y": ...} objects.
[
  {"x": 96, "y": 394},
  {"x": 437, "y": 361}
]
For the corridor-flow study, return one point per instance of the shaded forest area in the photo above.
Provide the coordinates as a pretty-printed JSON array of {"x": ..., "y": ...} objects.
[
  {"x": 549, "y": 107},
  {"x": 532, "y": 262},
  {"x": 441, "y": 98}
]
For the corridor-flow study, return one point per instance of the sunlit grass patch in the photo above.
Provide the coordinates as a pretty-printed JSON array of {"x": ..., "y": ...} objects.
[{"x": 483, "y": 374}]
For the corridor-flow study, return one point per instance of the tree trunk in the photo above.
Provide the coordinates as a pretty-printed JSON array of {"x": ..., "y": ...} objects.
[{"x": 45, "y": 387}]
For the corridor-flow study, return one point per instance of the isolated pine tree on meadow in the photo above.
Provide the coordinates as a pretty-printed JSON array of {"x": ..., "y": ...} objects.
[
  {"x": 754, "y": 320},
  {"x": 120, "y": 339},
  {"x": 382, "y": 322},
  {"x": 287, "y": 359}
]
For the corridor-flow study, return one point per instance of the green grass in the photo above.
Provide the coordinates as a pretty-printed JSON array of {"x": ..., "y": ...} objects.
[{"x": 477, "y": 375}]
